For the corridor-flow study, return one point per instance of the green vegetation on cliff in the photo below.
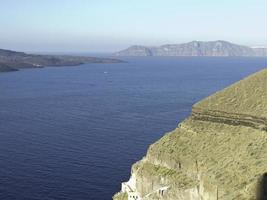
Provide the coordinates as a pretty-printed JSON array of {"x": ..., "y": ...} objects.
[
  {"x": 121, "y": 196},
  {"x": 218, "y": 153},
  {"x": 230, "y": 159},
  {"x": 246, "y": 97}
]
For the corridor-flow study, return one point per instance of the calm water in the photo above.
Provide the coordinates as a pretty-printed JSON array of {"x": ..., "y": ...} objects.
[{"x": 72, "y": 133}]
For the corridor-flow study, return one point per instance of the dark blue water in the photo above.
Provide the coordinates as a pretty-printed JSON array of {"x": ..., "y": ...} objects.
[{"x": 72, "y": 133}]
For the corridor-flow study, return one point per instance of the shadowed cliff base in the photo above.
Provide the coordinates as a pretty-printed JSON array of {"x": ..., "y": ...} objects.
[
  {"x": 218, "y": 153},
  {"x": 262, "y": 191},
  {"x": 6, "y": 68}
]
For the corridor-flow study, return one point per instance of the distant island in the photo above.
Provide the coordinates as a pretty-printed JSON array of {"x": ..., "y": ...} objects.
[
  {"x": 195, "y": 48},
  {"x": 13, "y": 60}
]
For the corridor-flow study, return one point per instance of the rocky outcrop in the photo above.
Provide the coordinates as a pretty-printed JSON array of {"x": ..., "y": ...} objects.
[
  {"x": 12, "y": 60},
  {"x": 218, "y": 153},
  {"x": 194, "y": 48},
  {"x": 6, "y": 68}
]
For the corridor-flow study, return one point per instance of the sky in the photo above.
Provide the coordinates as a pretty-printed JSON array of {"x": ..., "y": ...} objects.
[{"x": 111, "y": 25}]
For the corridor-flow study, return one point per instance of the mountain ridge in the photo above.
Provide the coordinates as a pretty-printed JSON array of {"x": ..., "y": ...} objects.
[{"x": 194, "y": 48}]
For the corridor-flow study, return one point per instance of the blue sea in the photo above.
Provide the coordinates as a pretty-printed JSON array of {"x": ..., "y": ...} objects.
[{"x": 72, "y": 133}]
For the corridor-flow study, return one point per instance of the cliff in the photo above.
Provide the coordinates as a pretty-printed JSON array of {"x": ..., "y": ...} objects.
[
  {"x": 260, "y": 51},
  {"x": 12, "y": 60},
  {"x": 194, "y": 48},
  {"x": 218, "y": 153}
]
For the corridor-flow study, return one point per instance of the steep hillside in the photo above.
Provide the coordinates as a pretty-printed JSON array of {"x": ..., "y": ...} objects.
[{"x": 218, "y": 153}]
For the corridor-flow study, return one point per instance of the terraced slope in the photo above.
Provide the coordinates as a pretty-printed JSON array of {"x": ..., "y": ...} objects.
[
  {"x": 244, "y": 103},
  {"x": 218, "y": 153}
]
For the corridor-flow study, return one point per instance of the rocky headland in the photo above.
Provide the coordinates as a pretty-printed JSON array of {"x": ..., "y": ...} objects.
[
  {"x": 195, "y": 48},
  {"x": 217, "y": 153},
  {"x": 13, "y": 61}
]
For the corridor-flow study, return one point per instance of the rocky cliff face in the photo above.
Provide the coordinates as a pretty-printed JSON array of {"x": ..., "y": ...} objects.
[
  {"x": 218, "y": 153},
  {"x": 195, "y": 48},
  {"x": 260, "y": 51}
]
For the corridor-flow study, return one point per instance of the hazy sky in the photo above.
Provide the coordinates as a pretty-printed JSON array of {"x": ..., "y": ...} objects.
[{"x": 109, "y": 25}]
